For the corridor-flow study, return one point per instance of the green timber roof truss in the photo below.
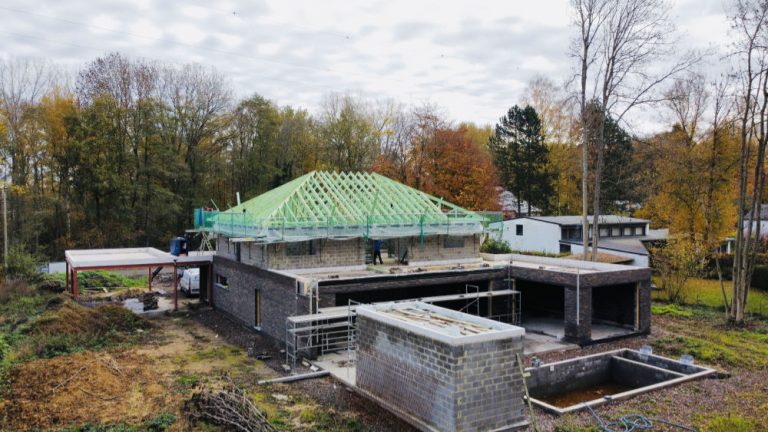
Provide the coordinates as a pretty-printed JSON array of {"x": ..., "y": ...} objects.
[{"x": 340, "y": 205}]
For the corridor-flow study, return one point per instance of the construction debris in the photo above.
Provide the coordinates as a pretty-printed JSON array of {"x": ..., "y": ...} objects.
[
  {"x": 149, "y": 300},
  {"x": 227, "y": 406},
  {"x": 292, "y": 378}
]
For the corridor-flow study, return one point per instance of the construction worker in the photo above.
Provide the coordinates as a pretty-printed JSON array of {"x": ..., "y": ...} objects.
[{"x": 377, "y": 251}]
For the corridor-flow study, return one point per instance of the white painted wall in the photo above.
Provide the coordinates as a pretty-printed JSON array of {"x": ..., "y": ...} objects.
[
  {"x": 537, "y": 236},
  {"x": 637, "y": 259}
]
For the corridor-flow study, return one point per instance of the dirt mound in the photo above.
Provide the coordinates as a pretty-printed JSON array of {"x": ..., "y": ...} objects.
[
  {"x": 69, "y": 327},
  {"x": 72, "y": 318},
  {"x": 99, "y": 388}
]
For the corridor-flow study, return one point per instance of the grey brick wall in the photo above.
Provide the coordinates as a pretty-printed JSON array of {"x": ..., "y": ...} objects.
[
  {"x": 473, "y": 387},
  {"x": 569, "y": 376},
  {"x": 329, "y": 253},
  {"x": 277, "y": 292},
  {"x": 581, "y": 332},
  {"x": 434, "y": 249},
  {"x": 644, "y": 318}
]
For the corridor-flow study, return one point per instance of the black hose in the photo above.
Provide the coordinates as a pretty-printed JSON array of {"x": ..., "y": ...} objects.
[{"x": 632, "y": 422}]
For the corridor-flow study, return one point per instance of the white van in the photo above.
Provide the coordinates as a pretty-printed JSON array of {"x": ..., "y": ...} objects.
[{"x": 190, "y": 281}]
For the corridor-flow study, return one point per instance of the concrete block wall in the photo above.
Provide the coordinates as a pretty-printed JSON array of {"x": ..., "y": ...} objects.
[
  {"x": 489, "y": 386},
  {"x": 435, "y": 250},
  {"x": 279, "y": 298},
  {"x": 224, "y": 248},
  {"x": 328, "y": 253},
  {"x": 341, "y": 253},
  {"x": 568, "y": 376},
  {"x": 473, "y": 387}
]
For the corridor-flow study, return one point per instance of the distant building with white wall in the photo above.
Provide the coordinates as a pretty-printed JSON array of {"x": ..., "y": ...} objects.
[{"x": 621, "y": 236}]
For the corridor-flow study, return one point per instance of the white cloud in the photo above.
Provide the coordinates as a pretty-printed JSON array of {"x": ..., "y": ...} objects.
[{"x": 471, "y": 57}]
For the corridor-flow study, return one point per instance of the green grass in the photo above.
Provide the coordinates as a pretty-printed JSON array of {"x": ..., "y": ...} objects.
[
  {"x": 187, "y": 380},
  {"x": 156, "y": 424},
  {"x": 706, "y": 292},
  {"x": 731, "y": 423},
  {"x": 102, "y": 279},
  {"x": 705, "y": 334}
]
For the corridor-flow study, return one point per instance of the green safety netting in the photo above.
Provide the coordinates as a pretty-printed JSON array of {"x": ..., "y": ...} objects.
[{"x": 341, "y": 205}]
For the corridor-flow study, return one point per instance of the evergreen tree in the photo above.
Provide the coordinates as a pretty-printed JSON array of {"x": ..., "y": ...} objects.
[
  {"x": 618, "y": 182},
  {"x": 521, "y": 157}
]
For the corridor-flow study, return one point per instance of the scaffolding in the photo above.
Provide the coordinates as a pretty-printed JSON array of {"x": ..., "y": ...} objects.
[
  {"x": 341, "y": 205},
  {"x": 333, "y": 330}
]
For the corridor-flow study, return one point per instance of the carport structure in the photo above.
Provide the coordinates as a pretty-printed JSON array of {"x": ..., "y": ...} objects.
[{"x": 135, "y": 258}]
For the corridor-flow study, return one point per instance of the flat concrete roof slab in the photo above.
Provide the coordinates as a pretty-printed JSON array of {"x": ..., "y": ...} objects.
[
  {"x": 441, "y": 324},
  {"x": 128, "y": 257}
]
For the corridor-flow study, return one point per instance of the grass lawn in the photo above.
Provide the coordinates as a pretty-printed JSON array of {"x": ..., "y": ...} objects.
[{"x": 706, "y": 292}]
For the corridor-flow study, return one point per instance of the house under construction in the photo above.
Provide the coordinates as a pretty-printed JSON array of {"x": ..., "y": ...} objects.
[{"x": 291, "y": 261}]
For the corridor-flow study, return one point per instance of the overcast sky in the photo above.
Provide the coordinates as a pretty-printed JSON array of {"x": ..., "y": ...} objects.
[{"x": 472, "y": 58}]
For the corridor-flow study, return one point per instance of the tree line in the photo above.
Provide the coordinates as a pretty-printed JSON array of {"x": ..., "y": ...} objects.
[{"x": 122, "y": 156}]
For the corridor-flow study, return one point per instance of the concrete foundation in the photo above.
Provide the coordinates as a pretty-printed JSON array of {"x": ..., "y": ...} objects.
[{"x": 630, "y": 370}]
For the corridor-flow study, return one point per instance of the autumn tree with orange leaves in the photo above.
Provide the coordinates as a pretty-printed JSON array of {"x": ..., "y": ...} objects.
[{"x": 460, "y": 170}]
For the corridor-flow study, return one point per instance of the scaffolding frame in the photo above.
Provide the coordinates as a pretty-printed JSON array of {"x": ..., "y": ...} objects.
[{"x": 334, "y": 329}]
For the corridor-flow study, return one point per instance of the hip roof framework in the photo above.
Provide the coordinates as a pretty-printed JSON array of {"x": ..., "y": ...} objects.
[{"x": 340, "y": 205}]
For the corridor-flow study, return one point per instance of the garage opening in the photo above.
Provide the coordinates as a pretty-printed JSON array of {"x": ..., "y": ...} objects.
[
  {"x": 615, "y": 305},
  {"x": 543, "y": 308}
]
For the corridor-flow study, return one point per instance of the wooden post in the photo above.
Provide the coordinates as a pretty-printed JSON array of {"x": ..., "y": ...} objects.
[
  {"x": 175, "y": 287},
  {"x": 149, "y": 278},
  {"x": 74, "y": 285}
]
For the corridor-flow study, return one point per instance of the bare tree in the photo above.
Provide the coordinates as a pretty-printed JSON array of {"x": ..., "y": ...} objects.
[
  {"x": 718, "y": 171},
  {"x": 395, "y": 127},
  {"x": 590, "y": 15},
  {"x": 196, "y": 96},
  {"x": 632, "y": 55},
  {"x": 22, "y": 83},
  {"x": 749, "y": 21},
  {"x": 688, "y": 98}
]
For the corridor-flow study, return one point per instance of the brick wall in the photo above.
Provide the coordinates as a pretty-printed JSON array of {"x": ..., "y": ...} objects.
[
  {"x": 434, "y": 249},
  {"x": 580, "y": 332},
  {"x": 327, "y": 253},
  {"x": 277, "y": 293},
  {"x": 472, "y": 387}
]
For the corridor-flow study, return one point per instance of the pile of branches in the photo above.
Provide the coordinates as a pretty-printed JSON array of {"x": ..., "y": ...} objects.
[{"x": 226, "y": 405}]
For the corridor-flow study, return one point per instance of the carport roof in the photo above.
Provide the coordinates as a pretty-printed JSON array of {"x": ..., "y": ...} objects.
[{"x": 129, "y": 257}]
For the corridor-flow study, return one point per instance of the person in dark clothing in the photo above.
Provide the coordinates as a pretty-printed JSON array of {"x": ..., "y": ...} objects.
[{"x": 377, "y": 251}]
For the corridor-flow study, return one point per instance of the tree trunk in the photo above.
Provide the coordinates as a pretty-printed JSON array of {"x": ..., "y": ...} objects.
[{"x": 596, "y": 189}]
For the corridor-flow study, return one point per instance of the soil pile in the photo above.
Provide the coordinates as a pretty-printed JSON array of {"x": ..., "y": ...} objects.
[
  {"x": 69, "y": 327},
  {"x": 84, "y": 388}
]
